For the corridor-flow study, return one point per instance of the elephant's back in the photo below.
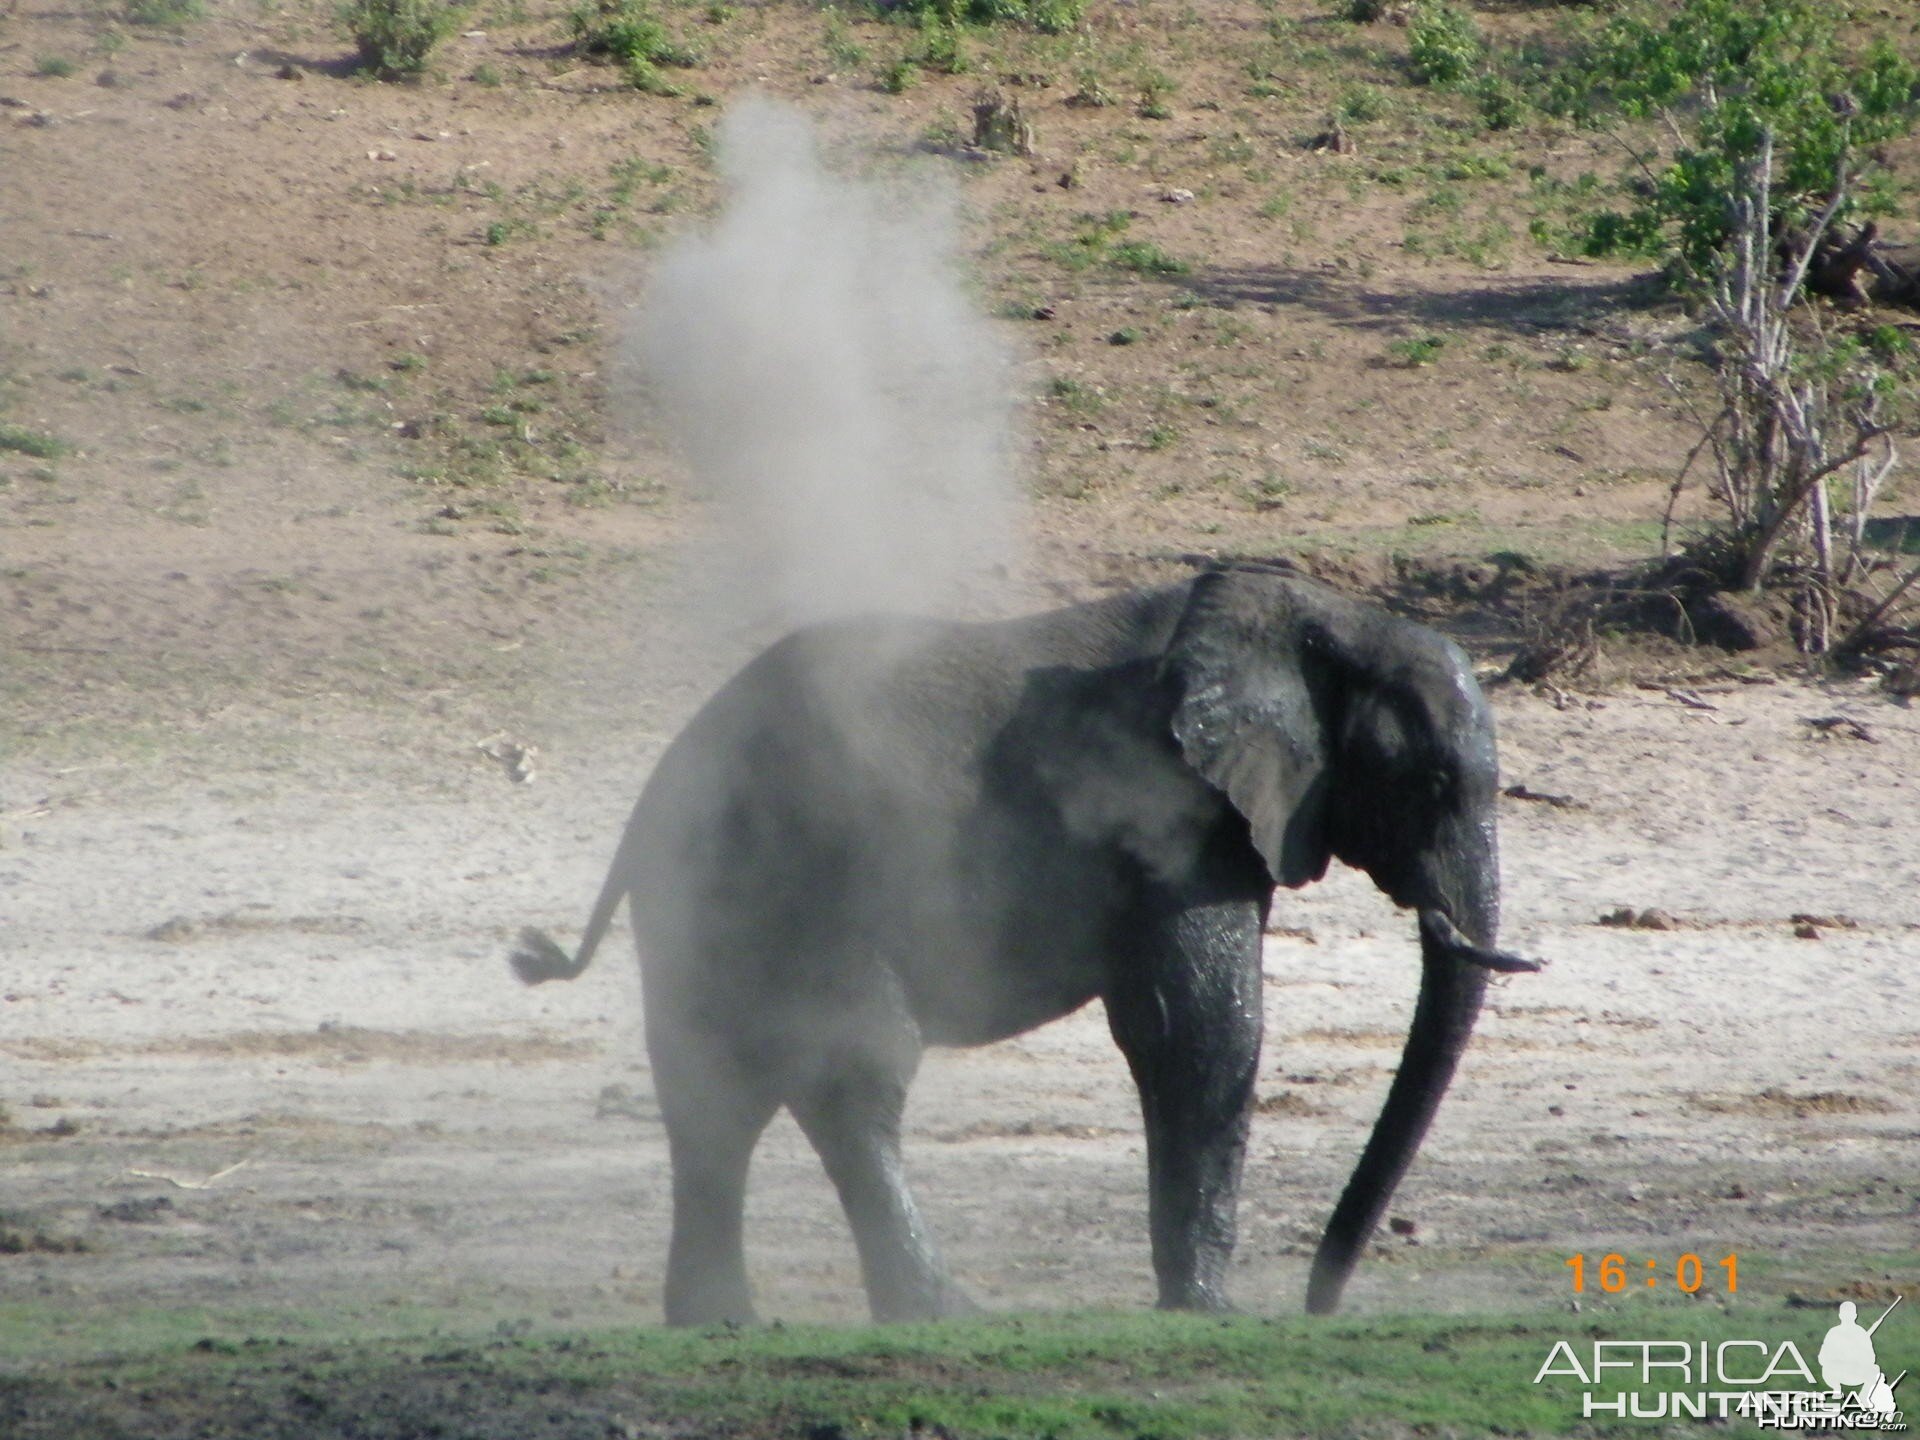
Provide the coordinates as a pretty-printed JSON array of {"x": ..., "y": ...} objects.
[{"x": 838, "y": 770}]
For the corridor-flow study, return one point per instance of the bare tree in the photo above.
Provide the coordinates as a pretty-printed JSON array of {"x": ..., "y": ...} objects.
[
  {"x": 1795, "y": 410},
  {"x": 1803, "y": 440}
]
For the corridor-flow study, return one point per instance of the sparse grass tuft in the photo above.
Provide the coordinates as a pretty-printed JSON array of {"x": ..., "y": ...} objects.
[
  {"x": 37, "y": 443},
  {"x": 1050, "y": 17},
  {"x": 1147, "y": 258},
  {"x": 53, "y": 67},
  {"x": 1417, "y": 350},
  {"x": 170, "y": 14}
]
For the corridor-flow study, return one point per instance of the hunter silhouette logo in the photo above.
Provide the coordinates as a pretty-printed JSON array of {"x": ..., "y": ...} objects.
[
  {"x": 1766, "y": 1382},
  {"x": 1847, "y": 1361}
]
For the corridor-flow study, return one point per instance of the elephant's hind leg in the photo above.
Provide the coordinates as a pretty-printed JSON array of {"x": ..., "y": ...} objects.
[
  {"x": 850, "y": 1109},
  {"x": 714, "y": 1113}
]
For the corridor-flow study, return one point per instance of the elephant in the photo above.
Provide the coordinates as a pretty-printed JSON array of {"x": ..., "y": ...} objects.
[{"x": 888, "y": 833}]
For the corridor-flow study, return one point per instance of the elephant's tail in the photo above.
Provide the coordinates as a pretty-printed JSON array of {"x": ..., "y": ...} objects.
[{"x": 537, "y": 958}]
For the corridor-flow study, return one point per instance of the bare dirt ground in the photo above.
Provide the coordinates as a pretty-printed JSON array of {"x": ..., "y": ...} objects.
[
  {"x": 349, "y": 483},
  {"x": 296, "y": 967}
]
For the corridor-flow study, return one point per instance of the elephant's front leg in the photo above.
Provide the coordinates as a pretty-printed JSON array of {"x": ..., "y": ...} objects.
[{"x": 1185, "y": 1009}]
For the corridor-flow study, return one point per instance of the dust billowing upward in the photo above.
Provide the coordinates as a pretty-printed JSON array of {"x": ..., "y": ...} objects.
[{"x": 844, "y": 408}]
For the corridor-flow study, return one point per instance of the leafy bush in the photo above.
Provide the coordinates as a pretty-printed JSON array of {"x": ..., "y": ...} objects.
[
  {"x": 627, "y": 30},
  {"x": 1726, "y": 74},
  {"x": 1501, "y": 105},
  {"x": 1361, "y": 12},
  {"x": 1443, "y": 43},
  {"x": 394, "y": 37}
]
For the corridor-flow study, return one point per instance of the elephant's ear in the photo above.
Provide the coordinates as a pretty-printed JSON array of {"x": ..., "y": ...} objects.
[{"x": 1249, "y": 711}]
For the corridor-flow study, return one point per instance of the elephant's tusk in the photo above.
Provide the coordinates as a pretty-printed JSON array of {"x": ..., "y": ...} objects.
[
  {"x": 1504, "y": 962},
  {"x": 1441, "y": 933}
]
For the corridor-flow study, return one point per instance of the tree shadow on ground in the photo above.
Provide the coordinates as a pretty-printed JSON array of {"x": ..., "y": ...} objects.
[
  {"x": 334, "y": 67},
  {"x": 1518, "y": 305}
]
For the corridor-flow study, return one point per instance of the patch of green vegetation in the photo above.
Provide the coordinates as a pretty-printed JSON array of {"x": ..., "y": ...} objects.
[
  {"x": 1157, "y": 89},
  {"x": 1048, "y": 16},
  {"x": 37, "y": 443},
  {"x": 1075, "y": 397},
  {"x": 1417, "y": 350},
  {"x": 1724, "y": 75},
  {"x": 394, "y": 37},
  {"x": 1484, "y": 244},
  {"x": 843, "y": 51},
  {"x": 499, "y": 232},
  {"x": 942, "y": 47},
  {"x": 54, "y": 67},
  {"x": 1093, "y": 234},
  {"x": 1268, "y": 489},
  {"x": 1359, "y": 104},
  {"x": 630, "y": 34},
  {"x": 1443, "y": 43},
  {"x": 166, "y": 14},
  {"x": 1147, "y": 258},
  {"x": 1072, "y": 1377}
]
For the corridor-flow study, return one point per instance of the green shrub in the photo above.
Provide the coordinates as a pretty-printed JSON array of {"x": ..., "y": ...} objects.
[
  {"x": 1725, "y": 74},
  {"x": 394, "y": 37},
  {"x": 1361, "y": 12},
  {"x": 1501, "y": 106},
  {"x": 54, "y": 67},
  {"x": 628, "y": 32},
  {"x": 1361, "y": 103},
  {"x": 1443, "y": 43},
  {"x": 942, "y": 46},
  {"x": 1156, "y": 90}
]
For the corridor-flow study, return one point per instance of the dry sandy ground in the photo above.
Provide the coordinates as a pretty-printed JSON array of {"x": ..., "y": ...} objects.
[{"x": 285, "y": 952}]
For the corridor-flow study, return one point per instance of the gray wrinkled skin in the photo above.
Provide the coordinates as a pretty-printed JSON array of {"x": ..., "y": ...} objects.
[{"x": 884, "y": 834}]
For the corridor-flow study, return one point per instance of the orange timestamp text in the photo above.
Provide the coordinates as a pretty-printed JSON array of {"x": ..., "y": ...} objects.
[{"x": 1614, "y": 1273}]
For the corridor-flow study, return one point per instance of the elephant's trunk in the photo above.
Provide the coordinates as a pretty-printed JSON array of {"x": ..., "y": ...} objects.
[{"x": 1453, "y": 979}]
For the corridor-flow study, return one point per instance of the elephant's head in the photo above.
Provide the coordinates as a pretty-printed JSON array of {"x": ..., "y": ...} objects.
[{"x": 1339, "y": 731}]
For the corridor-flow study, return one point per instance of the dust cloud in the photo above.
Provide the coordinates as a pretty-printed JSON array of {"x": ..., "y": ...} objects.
[{"x": 844, "y": 407}]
